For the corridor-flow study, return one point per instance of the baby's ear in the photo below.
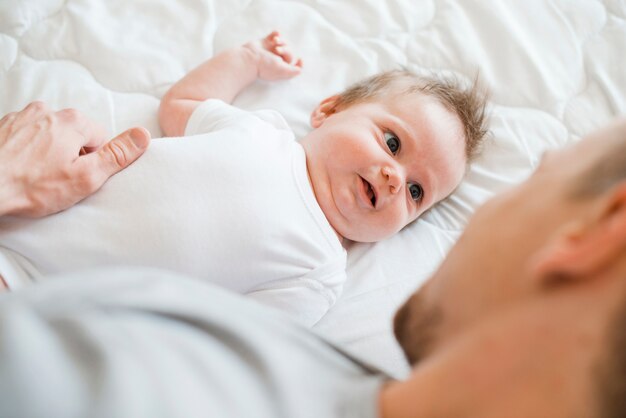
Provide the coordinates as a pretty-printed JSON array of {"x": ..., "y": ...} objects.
[{"x": 326, "y": 108}]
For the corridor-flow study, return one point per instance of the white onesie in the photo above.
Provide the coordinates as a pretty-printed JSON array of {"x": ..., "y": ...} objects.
[{"x": 229, "y": 203}]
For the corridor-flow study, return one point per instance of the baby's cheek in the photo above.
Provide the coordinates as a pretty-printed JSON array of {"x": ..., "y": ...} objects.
[
  {"x": 407, "y": 217},
  {"x": 395, "y": 221}
]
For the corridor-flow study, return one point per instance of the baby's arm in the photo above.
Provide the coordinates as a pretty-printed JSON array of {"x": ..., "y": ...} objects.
[{"x": 224, "y": 76}]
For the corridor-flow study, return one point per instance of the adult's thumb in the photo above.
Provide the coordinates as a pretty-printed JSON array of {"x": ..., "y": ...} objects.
[{"x": 122, "y": 150}]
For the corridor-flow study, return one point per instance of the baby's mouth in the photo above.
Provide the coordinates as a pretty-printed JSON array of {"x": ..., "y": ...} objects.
[{"x": 370, "y": 192}]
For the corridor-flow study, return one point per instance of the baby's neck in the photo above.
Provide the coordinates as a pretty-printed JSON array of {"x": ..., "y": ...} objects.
[{"x": 308, "y": 176}]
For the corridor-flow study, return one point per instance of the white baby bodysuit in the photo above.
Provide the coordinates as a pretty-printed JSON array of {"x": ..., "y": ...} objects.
[{"x": 229, "y": 203}]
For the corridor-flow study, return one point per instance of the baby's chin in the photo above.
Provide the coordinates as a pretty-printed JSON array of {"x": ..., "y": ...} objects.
[
  {"x": 354, "y": 228},
  {"x": 364, "y": 236}
]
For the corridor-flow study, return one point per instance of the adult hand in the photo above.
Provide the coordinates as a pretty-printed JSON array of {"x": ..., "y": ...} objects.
[{"x": 51, "y": 160}]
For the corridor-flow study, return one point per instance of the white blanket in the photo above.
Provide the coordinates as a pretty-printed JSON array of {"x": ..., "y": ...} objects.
[{"x": 555, "y": 69}]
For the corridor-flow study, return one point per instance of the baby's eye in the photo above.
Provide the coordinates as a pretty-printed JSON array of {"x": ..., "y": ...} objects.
[
  {"x": 416, "y": 191},
  {"x": 392, "y": 142}
]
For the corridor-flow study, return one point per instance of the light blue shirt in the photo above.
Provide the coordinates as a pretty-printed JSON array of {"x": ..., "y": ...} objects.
[{"x": 146, "y": 343}]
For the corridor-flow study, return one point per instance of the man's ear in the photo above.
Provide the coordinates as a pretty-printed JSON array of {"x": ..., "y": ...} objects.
[
  {"x": 326, "y": 108},
  {"x": 583, "y": 248}
]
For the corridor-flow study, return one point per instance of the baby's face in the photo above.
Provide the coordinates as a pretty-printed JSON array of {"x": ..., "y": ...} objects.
[{"x": 376, "y": 166}]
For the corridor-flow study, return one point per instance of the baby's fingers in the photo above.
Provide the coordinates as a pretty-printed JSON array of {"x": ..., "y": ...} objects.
[
  {"x": 287, "y": 70},
  {"x": 277, "y": 46},
  {"x": 284, "y": 53},
  {"x": 271, "y": 41}
]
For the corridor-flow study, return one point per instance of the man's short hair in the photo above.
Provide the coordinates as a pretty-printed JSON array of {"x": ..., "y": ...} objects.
[{"x": 467, "y": 103}]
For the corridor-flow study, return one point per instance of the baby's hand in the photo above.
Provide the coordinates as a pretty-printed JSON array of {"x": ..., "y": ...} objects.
[{"x": 274, "y": 59}]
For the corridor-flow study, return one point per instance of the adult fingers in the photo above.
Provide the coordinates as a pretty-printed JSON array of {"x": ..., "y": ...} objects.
[
  {"x": 91, "y": 134},
  {"x": 95, "y": 136},
  {"x": 33, "y": 111},
  {"x": 95, "y": 168},
  {"x": 14, "y": 121},
  {"x": 6, "y": 127}
]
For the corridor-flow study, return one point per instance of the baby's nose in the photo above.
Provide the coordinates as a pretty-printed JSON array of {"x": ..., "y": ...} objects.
[{"x": 393, "y": 179}]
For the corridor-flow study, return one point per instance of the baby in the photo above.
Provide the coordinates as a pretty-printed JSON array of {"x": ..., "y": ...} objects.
[{"x": 239, "y": 202}]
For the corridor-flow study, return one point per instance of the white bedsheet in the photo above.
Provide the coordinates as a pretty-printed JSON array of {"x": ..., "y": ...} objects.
[{"x": 555, "y": 69}]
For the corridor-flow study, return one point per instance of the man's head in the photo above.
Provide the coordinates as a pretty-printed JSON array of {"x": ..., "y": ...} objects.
[
  {"x": 388, "y": 148},
  {"x": 535, "y": 288}
]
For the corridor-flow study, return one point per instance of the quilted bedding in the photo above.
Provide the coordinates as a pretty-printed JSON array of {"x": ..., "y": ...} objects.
[{"x": 555, "y": 70}]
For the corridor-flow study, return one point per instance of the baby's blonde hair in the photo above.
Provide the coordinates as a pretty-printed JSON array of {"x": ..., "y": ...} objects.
[{"x": 468, "y": 104}]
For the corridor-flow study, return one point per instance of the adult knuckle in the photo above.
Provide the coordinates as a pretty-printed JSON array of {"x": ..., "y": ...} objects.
[
  {"x": 43, "y": 125},
  {"x": 8, "y": 118},
  {"x": 69, "y": 115},
  {"x": 37, "y": 106},
  {"x": 119, "y": 153},
  {"x": 11, "y": 125}
]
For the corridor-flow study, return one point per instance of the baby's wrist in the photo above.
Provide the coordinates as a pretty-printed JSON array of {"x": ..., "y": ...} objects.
[{"x": 251, "y": 55}]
